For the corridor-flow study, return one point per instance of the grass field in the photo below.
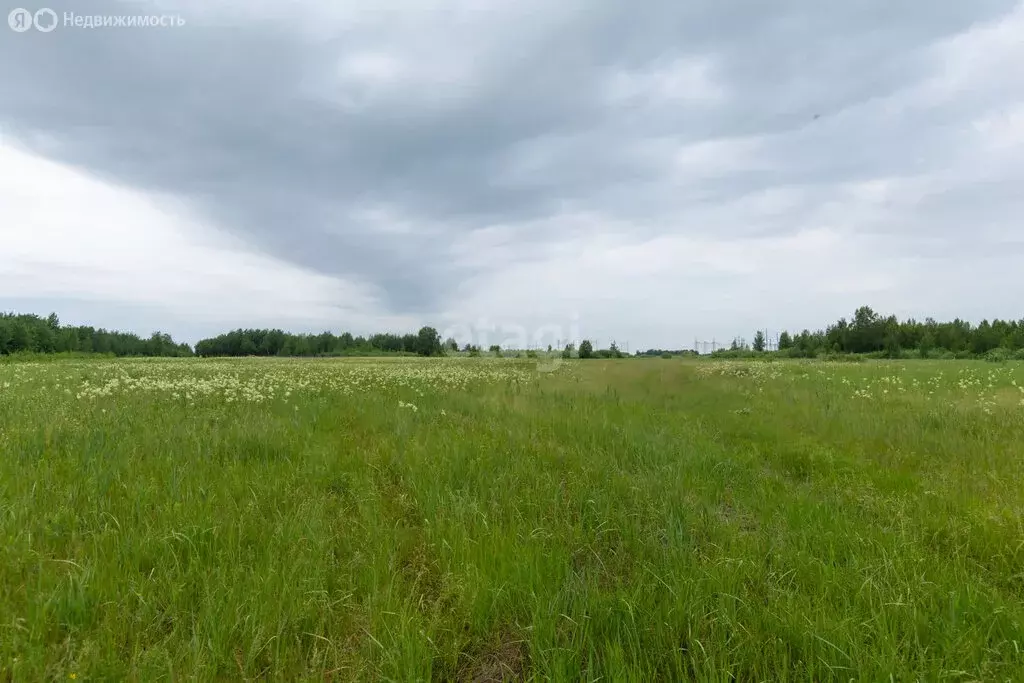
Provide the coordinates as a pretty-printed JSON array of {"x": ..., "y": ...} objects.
[{"x": 477, "y": 519}]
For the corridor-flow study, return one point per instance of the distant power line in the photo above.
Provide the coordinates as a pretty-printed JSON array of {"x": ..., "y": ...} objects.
[{"x": 771, "y": 343}]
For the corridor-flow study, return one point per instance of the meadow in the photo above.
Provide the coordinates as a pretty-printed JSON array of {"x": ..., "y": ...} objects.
[{"x": 488, "y": 519}]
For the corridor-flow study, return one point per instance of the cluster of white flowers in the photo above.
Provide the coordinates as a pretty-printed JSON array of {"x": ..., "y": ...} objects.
[
  {"x": 759, "y": 372},
  {"x": 986, "y": 389},
  {"x": 258, "y": 381}
]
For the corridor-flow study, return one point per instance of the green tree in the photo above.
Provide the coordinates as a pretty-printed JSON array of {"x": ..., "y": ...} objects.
[
  {"x": 45, "y": 339},
  {"x": 586, "y": 349},
  {"x": 248, "y": 346},
  {"x": 21, "y": 337},
  {"x": 867, "y": 332},
  {"x": 428, "y": 342},
  {"x": 759, "y": 341},
  {"x": 891, "y": 343},
  {"x": 926, "y": 344},
  {"x": 785, "y": 341}
]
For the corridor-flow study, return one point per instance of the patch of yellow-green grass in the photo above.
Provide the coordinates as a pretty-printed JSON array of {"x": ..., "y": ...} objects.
[{"x": 474, "y": 519}]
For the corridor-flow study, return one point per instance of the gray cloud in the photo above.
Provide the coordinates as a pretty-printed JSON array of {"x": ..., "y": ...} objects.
[{"x": 290, "y": 136}]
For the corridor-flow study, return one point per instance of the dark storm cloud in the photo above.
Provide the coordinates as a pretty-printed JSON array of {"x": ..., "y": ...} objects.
[{"x": 250, "y": 122}]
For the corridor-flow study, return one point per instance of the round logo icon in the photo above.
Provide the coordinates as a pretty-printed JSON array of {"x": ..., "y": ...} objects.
[
  {"x": 45, "y": 20},
  {"x": 20, "y": 20}
]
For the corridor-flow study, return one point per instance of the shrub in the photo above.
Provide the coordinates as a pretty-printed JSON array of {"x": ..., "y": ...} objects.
[
  {"x": 844, "y": 358},
  {"x": 666, "y": 355},
  {"x": 736, "y": 353},
  {"x": 999, "y": 355}
]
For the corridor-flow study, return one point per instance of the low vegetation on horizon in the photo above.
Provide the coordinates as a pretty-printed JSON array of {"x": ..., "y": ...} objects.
[
  {"x": 498, "y": 519},
  {"x": 866, "y": 333}
]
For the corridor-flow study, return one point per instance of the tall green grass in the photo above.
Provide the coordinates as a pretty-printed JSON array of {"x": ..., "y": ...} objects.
[{"x": 475, "y": 520}]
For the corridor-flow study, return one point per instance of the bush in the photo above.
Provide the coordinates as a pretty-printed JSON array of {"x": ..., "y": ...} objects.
[
  {"x": 736, "y": 354},
  {"x": 531, "y": 354},
  {"x": 666, "y": 355},
  {"x": 999, "y": 355},
  {"x": 844, "y": 358}
]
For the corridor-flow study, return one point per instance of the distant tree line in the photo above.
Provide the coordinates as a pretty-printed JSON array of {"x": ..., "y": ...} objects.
[
  {"x": 872, "y": 334},
  {"x": 666, "y": 352},
  {"x": 27, "y": 333},
  {"x": 587, "y": 350},
  {"x": 866, "y": 333},
  {"x": 278, "y": 343}
]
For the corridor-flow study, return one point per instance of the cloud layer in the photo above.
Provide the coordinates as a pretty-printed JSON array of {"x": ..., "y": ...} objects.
[{"x": 692, "y": 170}]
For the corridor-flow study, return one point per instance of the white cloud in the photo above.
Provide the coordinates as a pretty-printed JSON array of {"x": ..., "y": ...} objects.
[
  {"x": 1002, "y": 131},
  {"x": 981, "y": 61},
  {"x": 689, "y": 80},
  {"x": 667, "y": 290},
  {"x": 712, "y": 158},
  {"x": 66, "y": 235}
]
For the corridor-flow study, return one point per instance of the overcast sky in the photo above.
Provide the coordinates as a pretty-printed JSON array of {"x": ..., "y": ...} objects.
[{"x": 652, "y": 172}]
